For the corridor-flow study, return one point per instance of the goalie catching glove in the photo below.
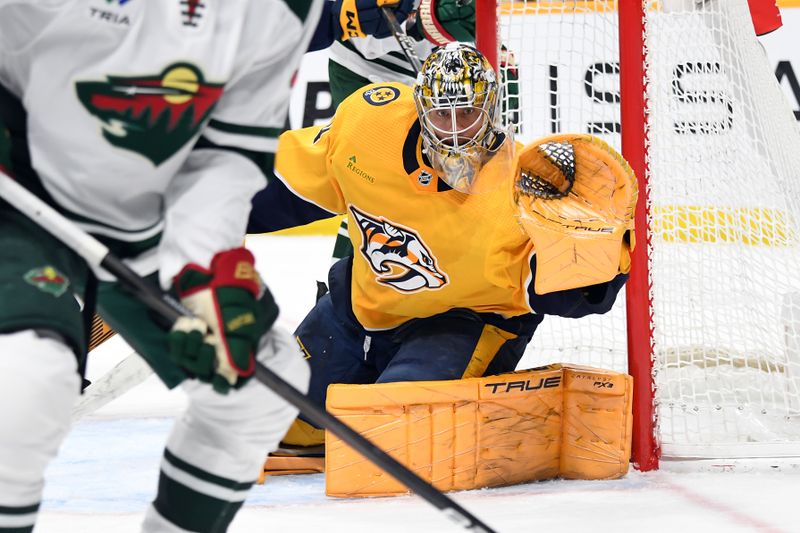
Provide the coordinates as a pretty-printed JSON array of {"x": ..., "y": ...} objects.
[
  {"x": 227, "y": 298},
  {"x": 576, "y": 198}
]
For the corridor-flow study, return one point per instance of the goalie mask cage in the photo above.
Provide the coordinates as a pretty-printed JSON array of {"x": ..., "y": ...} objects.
[{"x": 709, "y": 325}]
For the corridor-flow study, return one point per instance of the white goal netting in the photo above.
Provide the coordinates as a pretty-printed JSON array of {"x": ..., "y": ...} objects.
[{"x": 723, "y": 157}]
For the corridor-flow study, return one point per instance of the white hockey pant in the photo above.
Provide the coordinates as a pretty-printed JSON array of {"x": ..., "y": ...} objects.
[
  {"x": 229, "y": 435},
  {"x": 39, "y": 384}
]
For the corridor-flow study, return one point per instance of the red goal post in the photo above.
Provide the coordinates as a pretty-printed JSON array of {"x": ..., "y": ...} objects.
[{"x": 709, "y": 326}]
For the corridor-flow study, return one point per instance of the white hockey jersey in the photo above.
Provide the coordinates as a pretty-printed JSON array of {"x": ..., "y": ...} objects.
[
  {"x": 378, "y": 60},
  {"x": 115, "y": 95}
]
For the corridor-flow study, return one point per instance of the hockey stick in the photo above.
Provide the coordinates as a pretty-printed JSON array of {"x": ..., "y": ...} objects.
[
  {"x": 406, "y": 43},
  {"x": 97, "y": 255},
  {"x": 125, "y": 375}
]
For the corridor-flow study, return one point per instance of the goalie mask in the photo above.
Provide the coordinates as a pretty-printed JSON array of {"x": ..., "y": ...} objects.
[{"x": 456, "y": 94}]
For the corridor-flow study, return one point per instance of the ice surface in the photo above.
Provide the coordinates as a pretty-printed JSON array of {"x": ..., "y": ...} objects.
[{"x": 107, "y": 469}]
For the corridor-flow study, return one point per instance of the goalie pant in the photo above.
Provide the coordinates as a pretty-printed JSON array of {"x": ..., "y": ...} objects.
[{"x": 460, "y": 343}]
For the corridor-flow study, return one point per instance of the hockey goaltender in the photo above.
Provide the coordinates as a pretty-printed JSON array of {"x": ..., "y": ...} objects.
[{"x": 464, "y": 241}]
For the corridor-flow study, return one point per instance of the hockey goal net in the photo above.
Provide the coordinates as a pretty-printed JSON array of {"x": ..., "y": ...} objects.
[{"x": 710, "y": 323}]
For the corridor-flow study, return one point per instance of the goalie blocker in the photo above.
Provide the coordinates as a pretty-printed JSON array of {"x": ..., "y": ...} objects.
[{"x": 555, "y": 421}]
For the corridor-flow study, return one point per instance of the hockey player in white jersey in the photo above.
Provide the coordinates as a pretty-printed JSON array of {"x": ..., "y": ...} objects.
[
  {"x": 151, "y": 124},
  {"x": 358, "y": 61}
]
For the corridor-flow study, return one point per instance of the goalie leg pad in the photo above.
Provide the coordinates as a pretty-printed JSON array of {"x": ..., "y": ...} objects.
[
  {"x": 597, "y": 423},
  {"x": 458, "y": 435},
  {"x": 99, "y": 333},
  {"x": 484, "y": 432}
]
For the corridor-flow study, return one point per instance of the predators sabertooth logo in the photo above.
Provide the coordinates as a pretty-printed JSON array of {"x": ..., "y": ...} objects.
[
  {"x": 151, "y": 115},
  {"x": 397, "y": 255}
]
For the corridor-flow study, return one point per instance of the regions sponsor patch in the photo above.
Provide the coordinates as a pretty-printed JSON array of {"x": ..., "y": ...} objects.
[
  {"x": 381, "y": 95},
  {"x": 352, "y": 163},
  {"x": 47, "y": 279}
]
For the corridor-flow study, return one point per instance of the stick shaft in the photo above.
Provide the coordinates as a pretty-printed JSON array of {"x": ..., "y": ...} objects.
[
  {"x": 92, "y": 251},
  {"x": 362, "y": 445},
  {"x": 170, "y": 310},
  {"x": 406, "y": 43}
]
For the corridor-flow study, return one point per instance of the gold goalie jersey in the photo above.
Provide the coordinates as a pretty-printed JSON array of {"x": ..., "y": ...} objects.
[{"x": 421, "y": 248}]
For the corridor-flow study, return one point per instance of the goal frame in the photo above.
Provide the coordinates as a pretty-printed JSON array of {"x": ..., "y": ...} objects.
[{"x": 645, "y": 451}]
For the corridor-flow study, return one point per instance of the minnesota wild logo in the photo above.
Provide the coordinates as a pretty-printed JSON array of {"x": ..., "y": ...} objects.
[
  {"x": 47, "y": 279},
  {"x": 151, "y": 115}
]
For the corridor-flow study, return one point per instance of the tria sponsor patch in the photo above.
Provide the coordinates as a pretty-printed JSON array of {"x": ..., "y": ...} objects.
[{"x": 109, "y": 13}]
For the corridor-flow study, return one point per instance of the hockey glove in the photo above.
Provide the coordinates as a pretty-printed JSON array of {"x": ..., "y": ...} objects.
[
  {"x": 226, "y": 299},
  {"x": 359, "y": 18},
  {"x": 445, "y": 21},
  {"x": 576, "y": 198}
]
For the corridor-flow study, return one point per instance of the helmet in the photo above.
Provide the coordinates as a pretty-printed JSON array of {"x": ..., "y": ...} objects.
[{"x": 456, "y": 94}]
